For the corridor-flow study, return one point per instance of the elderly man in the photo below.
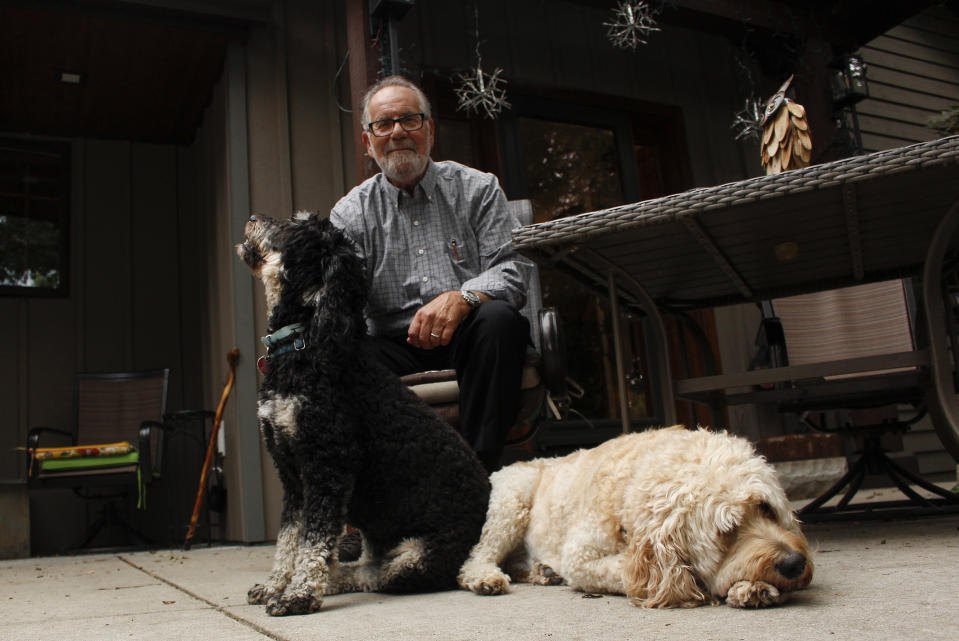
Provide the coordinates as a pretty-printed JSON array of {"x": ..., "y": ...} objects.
[{"x": 445, "y": 282}]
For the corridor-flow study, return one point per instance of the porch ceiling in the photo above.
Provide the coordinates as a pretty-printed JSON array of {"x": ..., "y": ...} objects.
[
  {"x": 148, "y": 66},
  {"x": 146, "y": 73},
  {"x": 846, "y": 24}
]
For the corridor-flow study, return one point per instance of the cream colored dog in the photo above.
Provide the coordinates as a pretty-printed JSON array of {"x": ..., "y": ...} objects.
[{"x": 668, "y": 517}]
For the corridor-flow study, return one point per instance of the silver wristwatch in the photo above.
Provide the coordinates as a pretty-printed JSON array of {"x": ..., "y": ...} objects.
[{"x": 472, "y": 298}]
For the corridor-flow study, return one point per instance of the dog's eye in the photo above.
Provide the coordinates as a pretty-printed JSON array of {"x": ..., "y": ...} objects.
[{"x": 767, "y": 511}]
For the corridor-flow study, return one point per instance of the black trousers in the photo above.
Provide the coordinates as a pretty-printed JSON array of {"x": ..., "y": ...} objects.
[{"x": 488, "y": 351}]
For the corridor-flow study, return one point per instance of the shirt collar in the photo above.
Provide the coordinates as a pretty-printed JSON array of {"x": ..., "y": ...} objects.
[{"x": 427, "y": 183}]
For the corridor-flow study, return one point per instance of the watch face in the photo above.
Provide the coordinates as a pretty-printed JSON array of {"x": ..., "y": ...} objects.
[{"x": 471, "y": 297}]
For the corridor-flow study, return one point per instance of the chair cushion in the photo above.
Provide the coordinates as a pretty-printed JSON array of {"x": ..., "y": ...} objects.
[
  {"x": 85, "y": 463},
  {"x": 76, "y": 451},
  {"x": 440, "y": 387},
  {"x": 89, "y": 466}
]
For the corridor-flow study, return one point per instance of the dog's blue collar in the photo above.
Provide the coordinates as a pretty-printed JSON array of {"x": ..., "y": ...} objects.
[{"x": 286, "y": 339}]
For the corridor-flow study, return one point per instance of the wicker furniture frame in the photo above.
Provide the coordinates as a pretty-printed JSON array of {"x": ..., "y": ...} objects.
[{"x": 890, "y": 214}]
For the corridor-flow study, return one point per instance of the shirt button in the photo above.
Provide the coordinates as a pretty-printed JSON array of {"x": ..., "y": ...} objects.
[
  {"x": 420, "y": 251},
  {"x": 426, "y": 278},
  {"x": 416, "y": 223}
]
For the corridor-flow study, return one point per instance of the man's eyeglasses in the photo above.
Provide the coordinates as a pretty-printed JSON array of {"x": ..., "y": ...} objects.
[{"x": 384, "y": 126}]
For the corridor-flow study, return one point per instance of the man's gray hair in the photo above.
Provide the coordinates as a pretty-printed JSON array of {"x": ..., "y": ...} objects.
[{"x": 393, "y": 81}]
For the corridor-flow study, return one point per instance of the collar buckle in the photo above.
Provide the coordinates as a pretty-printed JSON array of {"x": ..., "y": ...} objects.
[{"x": 286, "y": 339}]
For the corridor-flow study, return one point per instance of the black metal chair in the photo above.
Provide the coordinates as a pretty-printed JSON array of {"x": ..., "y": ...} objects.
[
  {"x": 114, "y": 450},
  {"x": 873, "y": 322},
  {"x": 544, "y": 380}
]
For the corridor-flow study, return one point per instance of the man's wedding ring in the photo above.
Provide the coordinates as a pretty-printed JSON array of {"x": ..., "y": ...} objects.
[{"x": 434, "y": 335}]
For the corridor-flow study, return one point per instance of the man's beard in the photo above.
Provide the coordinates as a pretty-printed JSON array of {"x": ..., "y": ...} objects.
[{"x": 402, "y": 167}]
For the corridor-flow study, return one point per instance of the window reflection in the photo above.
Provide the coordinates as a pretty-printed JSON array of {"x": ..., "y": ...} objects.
[
  {"x": 571, "y": 169},
  {"x": 33, "y": 239}
]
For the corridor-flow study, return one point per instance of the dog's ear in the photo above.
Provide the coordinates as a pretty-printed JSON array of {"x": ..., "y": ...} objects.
[
  {"x": 322, "y": 272},
  {"x": 331, "y": 276},
  {"x": 339, "y": 305},
  {"x": 657, "y": 576}
]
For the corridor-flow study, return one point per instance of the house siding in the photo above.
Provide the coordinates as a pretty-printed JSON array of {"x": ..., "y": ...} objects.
[
  {"x": 913, "y": 73},
  {"x": 132, "y": 249}
]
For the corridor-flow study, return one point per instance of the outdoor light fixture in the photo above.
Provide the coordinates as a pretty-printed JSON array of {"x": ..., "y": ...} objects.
[
  {"x": 387, "y": 13},
  {"x": 848, "y": 81},
  {"x": 71, "y": 77}
]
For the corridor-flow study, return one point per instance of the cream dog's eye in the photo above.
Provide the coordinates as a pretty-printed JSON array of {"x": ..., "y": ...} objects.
[{"x": 767, "y": 511}]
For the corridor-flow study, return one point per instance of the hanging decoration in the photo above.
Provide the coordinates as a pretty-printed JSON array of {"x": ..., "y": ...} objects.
[
  {"x": 482, "y": 92},
  {"x": 748, "y": 121},
  {"x": 479, "y": 91},
  {"x": 787, "y": 141},
  {"x": 632, "y": 22}
]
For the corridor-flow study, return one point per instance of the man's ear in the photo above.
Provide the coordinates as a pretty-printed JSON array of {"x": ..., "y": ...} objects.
[
  {"x": 366, "y": 141},
  {"x": 432, "y": 133}
]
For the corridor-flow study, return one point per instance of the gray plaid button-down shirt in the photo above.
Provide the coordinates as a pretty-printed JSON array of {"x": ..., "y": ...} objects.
[{"x": 452, "y": 233}]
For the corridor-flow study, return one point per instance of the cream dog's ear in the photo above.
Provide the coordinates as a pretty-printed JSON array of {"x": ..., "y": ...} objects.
[{"x": 656, "y": 575}]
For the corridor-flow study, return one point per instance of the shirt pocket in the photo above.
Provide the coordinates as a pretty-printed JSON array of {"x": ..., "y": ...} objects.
[{"x": 464, "y": 258}]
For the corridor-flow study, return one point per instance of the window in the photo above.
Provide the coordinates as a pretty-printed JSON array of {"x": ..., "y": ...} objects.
[
  {"x": 34, "y": 234},
  {"x": 569, "y": 153},
  {"x": 570, "y": 157}
]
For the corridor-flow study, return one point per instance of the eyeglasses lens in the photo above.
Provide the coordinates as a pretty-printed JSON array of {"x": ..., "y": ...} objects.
[{"x": 385, "y": 126}]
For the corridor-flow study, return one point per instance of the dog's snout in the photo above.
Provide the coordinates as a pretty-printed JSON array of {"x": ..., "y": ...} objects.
[{"x": 791, "y": 565}]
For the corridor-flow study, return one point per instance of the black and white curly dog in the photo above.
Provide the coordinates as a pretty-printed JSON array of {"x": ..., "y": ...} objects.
[{"x": 351, "y": 443}]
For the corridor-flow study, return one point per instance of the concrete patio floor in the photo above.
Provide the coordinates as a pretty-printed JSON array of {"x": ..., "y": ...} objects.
[{"x": 875, "y": 580}]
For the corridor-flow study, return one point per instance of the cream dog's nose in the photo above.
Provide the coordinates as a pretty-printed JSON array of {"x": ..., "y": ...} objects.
[{"x": 791, "y": 565}]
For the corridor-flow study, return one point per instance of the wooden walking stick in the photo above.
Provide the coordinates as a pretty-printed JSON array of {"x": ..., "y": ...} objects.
[{"x": 211, "y": 447}]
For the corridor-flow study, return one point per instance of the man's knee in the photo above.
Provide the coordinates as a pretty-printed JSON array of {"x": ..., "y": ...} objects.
[
  {"x": 391, "y": 353},
  {"x": 499, "y": 318}
]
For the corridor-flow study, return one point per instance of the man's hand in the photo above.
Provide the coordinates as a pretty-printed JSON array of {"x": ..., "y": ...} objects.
[{"x": 436, "y": 321}]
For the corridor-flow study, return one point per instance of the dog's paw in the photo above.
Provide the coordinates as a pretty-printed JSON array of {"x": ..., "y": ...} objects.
[
  {"x": 542, "y": 574},
  {"x": 259, "y": 594},
  {"x": 490, "y": 582},
  {"x": 749, "y": 594},
  {"x": 287, "y": 605}
]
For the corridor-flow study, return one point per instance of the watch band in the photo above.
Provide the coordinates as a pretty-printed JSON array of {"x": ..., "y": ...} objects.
[{"x": 472, "y": 298}]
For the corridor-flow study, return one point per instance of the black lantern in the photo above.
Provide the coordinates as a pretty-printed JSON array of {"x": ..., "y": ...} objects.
[
  {"x": 848, "y": 81},
  {"x": 387, "y": 13}
]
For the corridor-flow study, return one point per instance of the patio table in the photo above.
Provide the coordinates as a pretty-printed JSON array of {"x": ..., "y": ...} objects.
[{"x": 889, "y": 214}]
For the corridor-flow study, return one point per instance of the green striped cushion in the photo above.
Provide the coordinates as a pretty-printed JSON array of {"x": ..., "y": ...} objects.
[{"x": 89, "y": 462}]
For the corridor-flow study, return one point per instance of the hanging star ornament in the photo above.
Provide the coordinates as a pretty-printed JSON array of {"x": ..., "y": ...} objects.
[
  {"x": 748, "y": 121},
  {"x": 631, "y": 24},
  {"x": 481, "y": 92}
]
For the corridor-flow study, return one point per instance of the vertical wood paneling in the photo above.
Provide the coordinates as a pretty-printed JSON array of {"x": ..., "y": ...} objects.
[
  {"x": 155, "y": 296},
  {"x": 50, "y": 364},
  {"x": 530, "y": 43},
  {"x": 317, "y": 172},
  {"x": 271, "y": 81},
  {"x": 193, "y": 286},
  {"x": 450, "y": 34},
  {"x": 271, "y": 189},
  {"x": 215, "y": 199},
  {"x": 106, "y": 236},
  {"x": 572, "y": 59},
  {"x": 648, "y": 76},
  {"x": 12, "y": 352},
  {"x": 494, "y": 34}
]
